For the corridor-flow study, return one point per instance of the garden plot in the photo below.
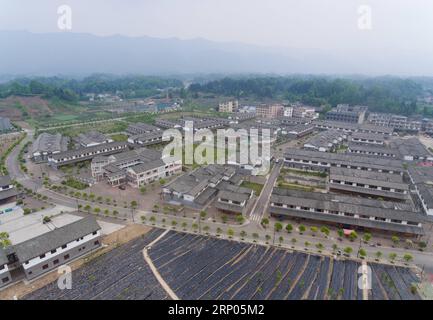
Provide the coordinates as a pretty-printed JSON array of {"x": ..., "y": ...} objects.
[
  {"x": 209, "y": 268},
  {"x": 119, "y": 274},
  {"x": 197, "y": 267}
]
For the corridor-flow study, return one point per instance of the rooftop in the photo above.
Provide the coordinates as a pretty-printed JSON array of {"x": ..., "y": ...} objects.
[{"x": 56, "y": 238}]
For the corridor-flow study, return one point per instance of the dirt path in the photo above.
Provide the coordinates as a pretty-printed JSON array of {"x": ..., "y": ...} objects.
[
  {"x": 110, "y": 242},
  {"x": 160, "y": 279}
]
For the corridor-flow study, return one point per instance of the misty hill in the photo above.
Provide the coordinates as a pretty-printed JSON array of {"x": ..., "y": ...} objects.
[{"x": 28, "y": 53}]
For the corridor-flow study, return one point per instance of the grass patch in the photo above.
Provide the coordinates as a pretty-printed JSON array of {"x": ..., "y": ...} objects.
[
  {"x": 119, "y": 137},
  {"x": 71, "y": 182},
  {"x": 292, "y": 186},
  {"x": 304, "y": 173},
  {"x": 257, "y": 187}
]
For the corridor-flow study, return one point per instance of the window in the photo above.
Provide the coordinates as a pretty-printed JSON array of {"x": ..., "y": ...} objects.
[
  {"x": 95, "y": 232},
  {"x": 2, "y": 267},
  {"x": 42, "y": 256},
  {"x": 45, "y": 266},
  {"x": 56, "y": 261},
  {"x": 4, "y": 280},
  {"x": 54, "y": 251},
  {"x": 64, "y": 246},
  {"x": 96, "y": 243},
  {"x": 66, "y": 257}
]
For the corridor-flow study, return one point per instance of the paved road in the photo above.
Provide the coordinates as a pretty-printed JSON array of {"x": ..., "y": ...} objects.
[{"x": 262, "y": 202}]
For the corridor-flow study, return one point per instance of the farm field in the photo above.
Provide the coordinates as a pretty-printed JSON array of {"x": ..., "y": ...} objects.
[
  {"x": 197, "y": 267},
  {"x": 120, "y": 274}
]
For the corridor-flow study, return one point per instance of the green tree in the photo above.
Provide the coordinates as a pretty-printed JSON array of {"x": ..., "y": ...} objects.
[
  {"x": 314, "y": 231},
  {"x": 362, "y": 253},
  {"x": 203, "y": 214},
  {"x": 407, "y": 257},
  {"x": 392, "y": 256},
  {"x": 88, "y": 208},
  {"x": 395, "y": 240},
  {"x": 378, "y": 255},
  {"x": 353, "y": 236},
  {"x": 325, "y": 231},
  {"x": 240, "y": 219},
  {"x": 367, "y": 237},
  {"x": 265, "y": 222},
  {"x": 348, "y": 250},
  {"x": 340, "y": 233},
  {"x": 230, "y": 232},
  {"x": 289, "y": 228},
  {"x": 302, "y": 229},
  {"x": 278, "y": 226}
]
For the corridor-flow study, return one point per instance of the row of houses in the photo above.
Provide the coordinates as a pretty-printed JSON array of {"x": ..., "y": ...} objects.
[
  {"x": 43, "y": 253},
  {"x": 87, "y": 153},
  {"x": 345, "y": 211},
  {"x": 354, "y": 127},
  {"x": 422, "y": 179},
  {"x": 326, "y": 141},
  {"x": 399, "y": 123},
  {"x": 323, "y": 161},
  {"x": 372, "y": 150},
  {"x": 371, "y": 184}
]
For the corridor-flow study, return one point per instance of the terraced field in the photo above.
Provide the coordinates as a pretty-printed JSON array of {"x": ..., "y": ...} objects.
[{"x": 197, "y": 267}]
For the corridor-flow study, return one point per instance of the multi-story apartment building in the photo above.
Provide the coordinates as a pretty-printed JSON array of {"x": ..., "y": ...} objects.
[
  {"x": 270, "y": 111},
  {"x": 346, "y": 113},
  {"x": 397, "y": 122},
  {"x": 229, "y": 106},
  {"x": 305, "y": 112},
  {"x": 136, "y": 167},
  {"x": 288, "y": 112}
]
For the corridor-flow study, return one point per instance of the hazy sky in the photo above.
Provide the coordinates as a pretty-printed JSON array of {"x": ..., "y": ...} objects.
[
  {"x": 403, "y": 27},
  {"x": 397, "y": 24}
]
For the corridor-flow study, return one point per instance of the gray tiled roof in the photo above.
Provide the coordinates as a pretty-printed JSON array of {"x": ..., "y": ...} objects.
[
  {"x": 328, "y": 203},
  {"x": 3, "y": 257},
  {"x": 81, "y": 151},
  {"x": 8, "y": 193},
  {"x": 5, "y": 181},
  {"x": 56, "y": 238},
  {"x": 348, "y": 159},
  {"x": 235, "y": 196},
  {"x": 368, "y": 177}
]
